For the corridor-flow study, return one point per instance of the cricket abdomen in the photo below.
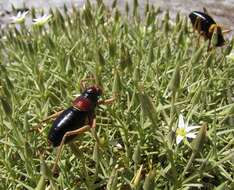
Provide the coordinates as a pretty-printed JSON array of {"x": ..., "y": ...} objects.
[{"x": 69, "y": 120}]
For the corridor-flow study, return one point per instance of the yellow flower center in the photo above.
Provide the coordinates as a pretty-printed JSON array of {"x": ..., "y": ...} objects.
[{"x": 181, "y": 131}]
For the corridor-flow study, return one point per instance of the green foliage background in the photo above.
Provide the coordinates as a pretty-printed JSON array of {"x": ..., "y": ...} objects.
[{"x": 157, "y": 69}]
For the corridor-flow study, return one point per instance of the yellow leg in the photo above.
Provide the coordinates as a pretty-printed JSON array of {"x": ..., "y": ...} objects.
[
  {"x": 83, "y": 81},
  {"x": 226, "y": 31},
  {"x": 108, "y": 101},
  {"x": 67, "y": 134},
  {"x": 37, "y": 128},
  {"x": 197, "y": 26},
  {"x": 205, "y": 11},
  {"x": 208, "y": 49},
  {"x": 52, "y": 116}
]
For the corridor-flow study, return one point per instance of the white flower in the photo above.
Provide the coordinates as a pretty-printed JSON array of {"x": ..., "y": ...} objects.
[
  {"x": 116, "y": 145},
  {"x": 83, "y": 7},
  {"x": 119, "y": 146},
  {"x": 183, "y": 130},
  {"x": 41, "y": 20},
  {"x": 230, "y": 56},
  {"x": 19, "y": 18}
]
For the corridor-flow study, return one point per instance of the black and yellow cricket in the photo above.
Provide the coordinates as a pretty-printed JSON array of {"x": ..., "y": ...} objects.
[{"x": 205, "y": 25}]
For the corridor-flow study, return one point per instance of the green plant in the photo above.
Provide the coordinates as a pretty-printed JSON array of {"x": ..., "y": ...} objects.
[{"x": 159, "y": 72}]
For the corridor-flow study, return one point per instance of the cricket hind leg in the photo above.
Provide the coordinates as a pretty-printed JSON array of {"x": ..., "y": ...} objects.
[
  {"x": 92, "y": 126},
  {"x": 67, "y": 134}
]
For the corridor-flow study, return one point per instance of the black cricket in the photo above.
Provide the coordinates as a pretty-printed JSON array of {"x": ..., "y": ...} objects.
[
  {"x": 77, "y": 119},
  {"x": 81, "y": 113}
]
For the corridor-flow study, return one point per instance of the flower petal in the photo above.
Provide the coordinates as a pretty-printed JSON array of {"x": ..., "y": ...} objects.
[
  {"x": 181, "y": 121},
  {"x": 190, "y": 128},
  {"x": 42, "y": 20},
  {"x": 18, "y": 14},
  {"x": 19, "y": 18},
  {"x": 25, "y": 13},
  {"x": 230, "y": 56},
  {"x": 179, "y": 139},
  {"x": 119, "y": 146},
  {"x": 191, "y": 135}
]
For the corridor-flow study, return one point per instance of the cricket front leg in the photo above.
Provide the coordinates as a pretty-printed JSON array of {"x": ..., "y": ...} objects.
[
  {"x": 83, "y": 81},
  {"x": 227, "y": 31},
  {"x": 107, "y": 101}
]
